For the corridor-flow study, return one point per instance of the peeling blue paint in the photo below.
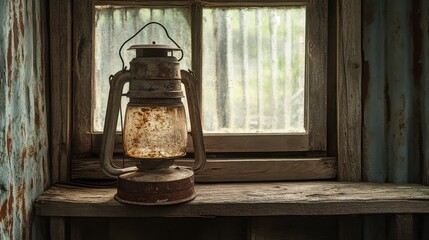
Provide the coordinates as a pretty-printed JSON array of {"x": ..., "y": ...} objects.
[
  {"x": 395, "y": 82},
  {"x": 23, "y": 125},
  {"x": 395, "y": 100}
]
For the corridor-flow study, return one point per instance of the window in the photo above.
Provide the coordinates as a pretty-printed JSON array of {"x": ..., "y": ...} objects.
[{"x": 262, "y": 68}]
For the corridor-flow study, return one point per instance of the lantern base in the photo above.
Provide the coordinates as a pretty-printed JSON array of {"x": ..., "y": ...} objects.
[{"x": 163, "y": 186}]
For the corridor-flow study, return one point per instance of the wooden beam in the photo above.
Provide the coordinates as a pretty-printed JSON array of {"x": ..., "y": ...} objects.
[
  {"x": 317, "y": 73},
  {"x": 349, "y": 75},
  {"x": 83, "y": 20},
  {"x": 246, "y": 199},
  {"x": 207, "y": 3},
  {"x": 61, "y": 67},
  {"x": 228, "y": 170}
]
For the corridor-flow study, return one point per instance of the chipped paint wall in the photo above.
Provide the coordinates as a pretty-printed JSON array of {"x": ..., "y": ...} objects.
[
  {"x": 395, "y": 92},
  {"x": 23, "y": 125}
]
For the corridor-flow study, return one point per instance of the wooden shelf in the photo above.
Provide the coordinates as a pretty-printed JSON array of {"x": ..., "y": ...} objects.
[{"x": 245, "y": 199}]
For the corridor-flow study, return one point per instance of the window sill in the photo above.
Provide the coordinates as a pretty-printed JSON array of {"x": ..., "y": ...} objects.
[
  {"x": 245, "y": 199},
  {"x": 232, "y": 170}
]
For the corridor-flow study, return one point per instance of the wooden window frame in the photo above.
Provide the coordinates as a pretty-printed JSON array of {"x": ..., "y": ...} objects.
[
  {"x": 315, "y": 80},
  {"x": 74, "y": 155}
]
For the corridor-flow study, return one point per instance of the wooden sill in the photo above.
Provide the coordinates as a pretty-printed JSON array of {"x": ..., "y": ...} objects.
[
  {"x": 245, "y": 199},
  {"x": 232, "y": 170}
]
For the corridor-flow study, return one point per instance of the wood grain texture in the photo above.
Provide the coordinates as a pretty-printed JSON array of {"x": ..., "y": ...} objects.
[
  {"x": 228, "y": 170},
  {"x": 246, "y": 199},
  {"x": 402, "y": 227},
  {"x": 61, "y": 67},
  {"x": 197, "y": 48},
  {"x": 233, "y": 143},
  {"x": 210, "y": 3},
  {"x": 57, "y": 227},
  {"x": 293, "y": 227},
  {"x": 82, "y": 72},
  {"x": 161, "y": 228},
  {"x": 317, "y": 72},
  {"x": 349, "y": 78}
]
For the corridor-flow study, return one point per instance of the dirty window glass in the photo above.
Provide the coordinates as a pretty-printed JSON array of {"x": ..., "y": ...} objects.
[
  {"x": 253, "y": 63},
  {"x": 113, "y": 26},
  {"x": 254, "y": 70}
]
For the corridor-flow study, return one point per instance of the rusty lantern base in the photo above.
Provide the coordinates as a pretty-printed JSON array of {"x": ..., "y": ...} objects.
[{"x": 163, "y": 186}]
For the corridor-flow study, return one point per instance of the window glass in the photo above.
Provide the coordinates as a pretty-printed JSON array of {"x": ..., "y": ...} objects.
[
  {"x": 254, "y": 70},
  {"x": 113, "y": 26}
]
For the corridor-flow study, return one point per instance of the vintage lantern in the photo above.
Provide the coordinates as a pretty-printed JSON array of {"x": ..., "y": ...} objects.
[{"x": 155, "y": 128}]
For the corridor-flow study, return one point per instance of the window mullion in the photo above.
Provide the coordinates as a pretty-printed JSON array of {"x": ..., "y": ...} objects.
[{"x": 197, "y": 50}]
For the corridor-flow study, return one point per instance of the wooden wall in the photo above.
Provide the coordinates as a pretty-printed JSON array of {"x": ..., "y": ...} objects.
[
  {"x": 395, "y": 101},
  {"x": 288, "y": 227}
]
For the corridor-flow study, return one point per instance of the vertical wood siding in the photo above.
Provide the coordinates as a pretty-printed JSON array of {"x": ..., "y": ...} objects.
[
  {"x": 395, "y": 80},
  {"x": 23, "y": 126},
  {"x": 395, "y": 100}
]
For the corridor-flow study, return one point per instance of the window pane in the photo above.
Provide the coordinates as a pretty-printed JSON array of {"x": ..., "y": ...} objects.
[
  {"x": 113, "y": 26},
  {"x": 254, "y": 70}
]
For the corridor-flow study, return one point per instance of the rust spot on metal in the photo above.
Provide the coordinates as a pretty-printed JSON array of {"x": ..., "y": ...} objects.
[
  {"x": 21, "y": 27},
  {"x": 23, "y": 130},
  {"x": 21, "y": 19},
  {"x": 9, "y": 66},
  {"x": 15, "y": 30},
  {"x": 20, "y": 206},
  {"x": 9, "y": 139},
  {"x": 23, "y": 157},
  {"x": 6, "y": 212},
  {"x": 45, "y": 174},
  {"x": 36, "y": 114},
  {"x": 31, "y": 151},
  {"x": 3, "y": 210}
]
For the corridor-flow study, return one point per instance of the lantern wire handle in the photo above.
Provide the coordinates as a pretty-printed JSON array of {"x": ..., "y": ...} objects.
[{"x": 135, "y": 34}]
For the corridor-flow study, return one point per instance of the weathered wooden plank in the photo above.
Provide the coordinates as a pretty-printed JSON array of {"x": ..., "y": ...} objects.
[
  {"x": 425, "y": 86},
  {"x": 317, "y": 72},
  {"x": 374, "y": 156},
  {"x": 82, "y": 72},
  {"x": 400, "y": 126},
  {"x": 294, "y": 227},
  {"x": 224, "y": 170},
  {"x": 61, "y": 67},
  {"x": 234, "y": 143},
  {"x": 402, "y": 227},
  {"x": 246, "y": 199},
  {"x": 209, "y": 3},
  {"x": 349, "y": 74},
  {"x": 57, "y": 228},
  {"x": 350, "y": 227},
  {"x": 197, "y": 47},
  {"x": 331, "y": 100}
]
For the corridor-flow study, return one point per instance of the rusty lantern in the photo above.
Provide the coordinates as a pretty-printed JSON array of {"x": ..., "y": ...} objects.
[{"x": 155, "y": 128}]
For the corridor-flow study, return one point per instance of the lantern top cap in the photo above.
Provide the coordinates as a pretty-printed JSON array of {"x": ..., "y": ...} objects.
[{"x": 155, "y": 46}]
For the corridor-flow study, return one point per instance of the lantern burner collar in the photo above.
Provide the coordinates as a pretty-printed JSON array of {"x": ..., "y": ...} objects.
[{"x": 154, "y": 50}]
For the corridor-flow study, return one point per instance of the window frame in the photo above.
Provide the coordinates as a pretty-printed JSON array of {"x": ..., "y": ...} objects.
[{"x": 311, "y": 147}]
